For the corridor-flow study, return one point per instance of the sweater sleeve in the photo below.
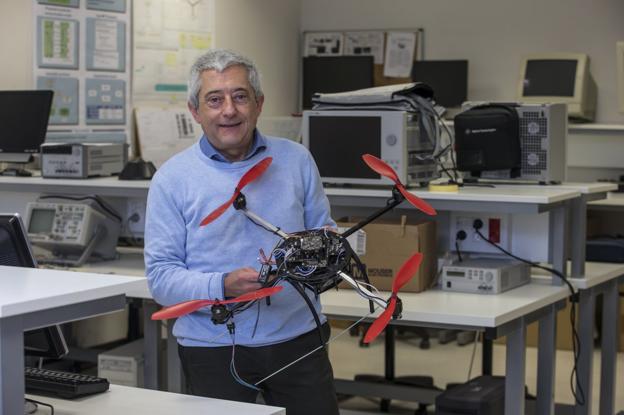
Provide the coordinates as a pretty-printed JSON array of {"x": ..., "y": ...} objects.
[{"x": 169, "y": 280}]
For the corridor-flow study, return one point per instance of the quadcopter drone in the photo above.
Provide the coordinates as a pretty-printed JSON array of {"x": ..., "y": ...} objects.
[{"x": 315, "y": 260}]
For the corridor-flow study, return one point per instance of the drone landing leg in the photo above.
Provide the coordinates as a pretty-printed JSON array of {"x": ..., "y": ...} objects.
[{"x": 301, "y": 291}]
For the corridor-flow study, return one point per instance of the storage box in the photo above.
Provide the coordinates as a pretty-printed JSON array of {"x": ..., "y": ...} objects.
[
  {"x": 123, "y": 365},
  {"x": 389, "y": 244}
]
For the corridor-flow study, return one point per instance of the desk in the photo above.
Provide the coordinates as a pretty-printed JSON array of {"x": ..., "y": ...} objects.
[
  {"x": 505, "y": 314},
  {"x": 31, "y": 298},
  {"x": 137, "y": 401},
  {"x": 614, "y": 201},
  {"x": 502, "y": 198},
  {"x": 599, "y": 278}
]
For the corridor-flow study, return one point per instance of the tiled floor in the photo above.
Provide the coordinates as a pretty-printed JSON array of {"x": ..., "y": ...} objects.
[{"x": 446, "y": 363}]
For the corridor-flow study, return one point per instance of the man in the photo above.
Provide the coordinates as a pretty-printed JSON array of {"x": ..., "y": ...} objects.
[{"x": 185, "y": 261}]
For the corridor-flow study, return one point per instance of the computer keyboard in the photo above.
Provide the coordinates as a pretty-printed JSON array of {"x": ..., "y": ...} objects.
[{"x": 65, "y": 385}]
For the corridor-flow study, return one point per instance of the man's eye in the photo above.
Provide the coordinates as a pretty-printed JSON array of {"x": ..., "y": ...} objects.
[
  {"x": 214, "y": 101},
  {"x": 241, "y": 98}
]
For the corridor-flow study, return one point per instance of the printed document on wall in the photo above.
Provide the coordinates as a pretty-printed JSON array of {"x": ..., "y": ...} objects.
[
  {"x": 400, "y": 48},
  {"x": 365, "y": 43},
  {"x": 163, "y": 132},
  {"x": 168, "y": 36}
]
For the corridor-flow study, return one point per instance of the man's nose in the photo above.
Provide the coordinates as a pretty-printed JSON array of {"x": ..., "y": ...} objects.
[{"x": 228, "y": 106}]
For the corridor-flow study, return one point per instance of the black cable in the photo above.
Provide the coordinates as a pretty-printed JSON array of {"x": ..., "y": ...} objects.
[
  {"x": 458, "y": 251},
  {"x": 42, "y": 404},
  {"x": 576, "y": 344}
]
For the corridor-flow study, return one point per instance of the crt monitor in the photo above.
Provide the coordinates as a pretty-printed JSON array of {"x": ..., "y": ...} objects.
[
  {"x": 15, "y": 250},
  {"x": 24, "y": 119},
  {"x": 327, "y": 74},
  {"x": 448, "y": 78},
  {"x": 559, "y": 77}
]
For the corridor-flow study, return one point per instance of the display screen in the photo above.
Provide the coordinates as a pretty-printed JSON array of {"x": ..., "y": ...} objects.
[
  {"x": 448, "y": 79},
  {"x": 41, "y": 221},
  {"x": 23, "y": 120},
  {"x": 455, "y": 273},
  {"x": 325, "y": 74},
  {"x": 550, "y": 78},
  {"x": 337, "y": 144}
]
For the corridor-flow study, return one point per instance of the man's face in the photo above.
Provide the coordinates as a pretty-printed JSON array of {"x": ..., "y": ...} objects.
[{"x": 228, "y": 110}]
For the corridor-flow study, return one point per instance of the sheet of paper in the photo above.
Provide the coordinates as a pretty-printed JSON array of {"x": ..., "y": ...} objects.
[
  {"x": 163, "y": 132},
  {"x": 365, "y": 43},
  {"x": 168, "y": 36},
  {"x": 400, "y": 48},
  {"x": 323, "y": 44}
]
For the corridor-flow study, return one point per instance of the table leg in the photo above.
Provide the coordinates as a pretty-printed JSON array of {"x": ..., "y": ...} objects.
[
  {"x": 487, "y": 355},
  {"x": 608, "y": 361},
  {"x": 12, "y": 366},
  {"x": 558, "y": 241},
  {"x": 578, "y": 213},
  {"x": 515, "y": 371},
  {"x": 546, "y": 367},
  {"x": 587, "y": 302},
  {"x": 151, "y": 340}
]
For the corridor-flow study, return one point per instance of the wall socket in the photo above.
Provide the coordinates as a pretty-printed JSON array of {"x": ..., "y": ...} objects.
[
  {"x": 136, "y": 215},
  {"x": 496, "y": 227}
]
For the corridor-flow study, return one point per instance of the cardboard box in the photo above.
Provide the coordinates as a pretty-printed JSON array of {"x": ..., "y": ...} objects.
[
  {"x": 123, "y": 365},
  {"x": 389, "y": 244}
]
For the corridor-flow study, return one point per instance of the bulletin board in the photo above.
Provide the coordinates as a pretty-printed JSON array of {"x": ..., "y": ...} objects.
[
  {"x": 82, "y": 53},
  {"x": 393, "y": 50}
]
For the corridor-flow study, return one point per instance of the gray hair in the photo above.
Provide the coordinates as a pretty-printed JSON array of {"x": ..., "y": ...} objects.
[{"x": 219, "y": 60}]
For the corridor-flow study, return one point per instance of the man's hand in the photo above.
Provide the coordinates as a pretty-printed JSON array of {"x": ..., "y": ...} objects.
[{"x": 241, "y": 281}]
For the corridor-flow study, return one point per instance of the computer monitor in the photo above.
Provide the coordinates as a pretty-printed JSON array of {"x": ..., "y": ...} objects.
[
  {"x": 15, "y": 250},
  {"x": 24, "y": 119},
  {"x": 448, "y": 78},
  {"x": 559, "y": 77},
  {"x": 327, "y": 74}
]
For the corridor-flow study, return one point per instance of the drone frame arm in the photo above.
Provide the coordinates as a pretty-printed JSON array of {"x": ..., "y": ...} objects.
[
  {"x": 396, "y": 200},
  {"x": 360, "y": 289},
  {"x": 240, "y": 203}
]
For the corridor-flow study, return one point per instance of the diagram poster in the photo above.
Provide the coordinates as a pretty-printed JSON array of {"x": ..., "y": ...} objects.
[{"x": 82, "y": 53}]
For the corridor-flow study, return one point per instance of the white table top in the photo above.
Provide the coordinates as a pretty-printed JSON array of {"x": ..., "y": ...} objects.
[
  {"x": 136, "y": 401},
  {"x": 112, "y": 186},
  {"x": 501, "y": 193},
  {"x": 130, "y": 263},
  {"x": 595, "y": 273},
  {"x": 454, "y": 308},
  {"x": 615, "y": 200},
  {"x": 587, "y": 188},
  {"x": 24, "y": 290}
]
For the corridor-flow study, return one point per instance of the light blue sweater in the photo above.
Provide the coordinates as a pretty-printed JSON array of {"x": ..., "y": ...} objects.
[{"x": 186, "y": 262}]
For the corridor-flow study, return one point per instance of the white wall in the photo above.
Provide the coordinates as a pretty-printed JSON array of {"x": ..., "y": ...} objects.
[
  {"x": 267, "y": 31},
  {"x": 16, "y": 44},
  {"x": 492, "y": 35}
]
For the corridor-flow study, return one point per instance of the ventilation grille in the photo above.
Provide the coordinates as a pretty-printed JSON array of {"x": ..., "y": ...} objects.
[{"x": 533, "y": 131}]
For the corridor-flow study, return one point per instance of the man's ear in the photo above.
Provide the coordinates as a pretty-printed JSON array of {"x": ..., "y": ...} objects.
[
  {"x": 193, "y": 112},
  {"x": 260, "y": 102}
]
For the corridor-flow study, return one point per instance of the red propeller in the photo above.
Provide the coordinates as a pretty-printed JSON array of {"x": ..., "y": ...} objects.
[
  {"x": 187, "y": 307},
  {"x": 406, "y": 273},
  {"x": 385, "y": 170},
  {"x": 251, "y": 175}
]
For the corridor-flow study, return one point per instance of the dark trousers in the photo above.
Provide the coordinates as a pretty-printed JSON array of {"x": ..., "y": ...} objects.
[{"x": 305, "y": 388}]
